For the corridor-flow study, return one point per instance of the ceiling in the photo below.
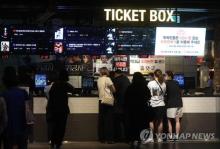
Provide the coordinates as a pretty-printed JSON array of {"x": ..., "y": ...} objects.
[{"x": 87, "y": 12}]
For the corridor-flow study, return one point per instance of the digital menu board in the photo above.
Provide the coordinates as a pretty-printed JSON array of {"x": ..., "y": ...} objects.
[
  {"x": 135, "y": 40},
  {"x": 4, "y": 39},
  {"x": 83, "y": 40},
  {"x": 72, "y": 40},
  {"x": 179, "y": 41},
  {"x": 101, "y": 41},
  {"x": 29, "y": 39}
]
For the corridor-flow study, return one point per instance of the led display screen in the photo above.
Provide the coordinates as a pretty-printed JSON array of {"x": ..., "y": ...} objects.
[{"x": 175, "y": 41}]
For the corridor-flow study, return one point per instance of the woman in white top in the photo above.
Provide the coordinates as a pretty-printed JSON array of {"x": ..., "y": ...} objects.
[
  {"x": 157, "y": 88},
  {"x": 106, "y": 89}
]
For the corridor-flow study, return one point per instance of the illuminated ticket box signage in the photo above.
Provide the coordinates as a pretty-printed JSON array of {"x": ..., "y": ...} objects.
[{"x": 139, "y": 15}]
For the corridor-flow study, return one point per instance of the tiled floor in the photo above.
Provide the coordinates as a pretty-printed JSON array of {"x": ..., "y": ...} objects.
[{"x": 167, "y": 145}]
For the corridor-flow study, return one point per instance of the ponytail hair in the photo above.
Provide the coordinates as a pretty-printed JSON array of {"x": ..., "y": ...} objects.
[{"x": 159, "y": 75}]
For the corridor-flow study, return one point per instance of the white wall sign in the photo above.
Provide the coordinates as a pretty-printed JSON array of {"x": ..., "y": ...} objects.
[
  {"x": 180, "y": 41},
  {"x": 146, "y": 65}
]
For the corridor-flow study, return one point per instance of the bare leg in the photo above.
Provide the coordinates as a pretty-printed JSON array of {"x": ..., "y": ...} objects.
[
  {"x": 159, "y": 130},
  {"x": 151, "y": 126},
  {"x": 160, "y": 127},
  {"x": 170, "y": 127},
  {"x": 177, "y": 126}
]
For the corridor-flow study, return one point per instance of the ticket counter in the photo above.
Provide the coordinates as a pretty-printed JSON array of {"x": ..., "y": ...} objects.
[{"x": 201, "y": 115}]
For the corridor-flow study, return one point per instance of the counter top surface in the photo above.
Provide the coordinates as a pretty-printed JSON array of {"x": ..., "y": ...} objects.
[{"x": 201, "y": 96}]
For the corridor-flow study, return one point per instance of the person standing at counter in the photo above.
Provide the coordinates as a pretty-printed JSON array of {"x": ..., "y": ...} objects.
[
  {"x": 106, "y": 90},
  {"x": 15, "y": 99},
  {"x": 157, "y": 89},
  {"x": 57, "y": 109},
  {"x": 135, "y": 98},
  {"x": 174, "y": 105},
  {"x": 121, "y": 83},
  {"x": 3, "y": 118}
]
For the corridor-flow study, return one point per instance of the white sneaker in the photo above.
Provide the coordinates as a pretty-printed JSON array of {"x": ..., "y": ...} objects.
[
  {"x": 149, "y": 140},
  {"x": 170, "y": 138},
  {"x": 135, "y": 143},
  {"x": 159, "y": 140}
]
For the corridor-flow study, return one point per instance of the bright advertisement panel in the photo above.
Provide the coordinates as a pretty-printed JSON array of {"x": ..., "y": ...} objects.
[
  {"x": 146, "y": 65},
  {"x": 176, "y": 41}
]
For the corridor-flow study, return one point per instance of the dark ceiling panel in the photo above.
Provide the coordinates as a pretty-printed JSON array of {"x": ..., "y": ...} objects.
[{"x": 44, "y": 10}]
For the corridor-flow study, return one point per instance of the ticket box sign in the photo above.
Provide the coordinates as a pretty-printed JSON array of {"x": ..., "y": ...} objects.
[{"x": 140, "y": 15}]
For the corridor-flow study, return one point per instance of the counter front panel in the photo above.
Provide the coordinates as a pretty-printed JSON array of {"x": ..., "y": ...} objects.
[{"x": 201, "y": 115}]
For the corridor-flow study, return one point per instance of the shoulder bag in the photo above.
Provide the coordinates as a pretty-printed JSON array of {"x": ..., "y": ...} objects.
[{"x": 108, "y": 99}]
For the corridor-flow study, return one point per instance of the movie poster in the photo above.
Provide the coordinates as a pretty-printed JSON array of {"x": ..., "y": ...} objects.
[
  {"x": 121, "y": 62},
  {"x": 79, "y": 65},
  {"x": 102, "y": 61}
]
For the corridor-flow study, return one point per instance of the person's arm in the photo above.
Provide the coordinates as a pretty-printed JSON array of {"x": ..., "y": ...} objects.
[
  {"x": 112, "y": 88},
  {"x": 149, "y": 87},
  {"x": 148, "y": 94},
  {"x": 70, "y": 88},
  {"x": 28, "y": 109},
  {"x": 110, "y": 85}
]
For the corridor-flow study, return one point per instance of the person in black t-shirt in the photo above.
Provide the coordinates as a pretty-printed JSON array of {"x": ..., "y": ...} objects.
[
  {"x": 16, "y": 99},
  {"x": 121, "y": 83},
  {"x": 58, "y": 110},
  {"x": 174, "y": 105},
  {"x": 136, "y": 96}
]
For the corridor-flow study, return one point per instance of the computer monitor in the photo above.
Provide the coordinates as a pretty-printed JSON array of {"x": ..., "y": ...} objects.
[
  {"x": 190, "y": 83},
  {"x": 87, "y": 82},
  {"x": 87, "y": 85},
  {"x": 180, "y": 79},
  {"x": 40, "y": 80}
]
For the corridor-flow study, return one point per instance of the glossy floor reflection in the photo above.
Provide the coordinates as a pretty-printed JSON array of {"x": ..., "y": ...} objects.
[
  {"x": 166, "y": 145},
  {"x": 182, "y": 145}
]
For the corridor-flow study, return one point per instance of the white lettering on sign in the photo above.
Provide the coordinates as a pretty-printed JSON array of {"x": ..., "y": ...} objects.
[
  {"x": 107, "y": 11},
  {"x": 127, "y": 15},
  {"x": 136, "y": 15},
  {"x": 142, "y": 14},
  {"x": 153, "y": 15},
  {"x": 161, "y": 15},
  {"x": 169, "y": 17},
  {"x": 124, "y": 15},
  {"x": 119, "y": 14}
]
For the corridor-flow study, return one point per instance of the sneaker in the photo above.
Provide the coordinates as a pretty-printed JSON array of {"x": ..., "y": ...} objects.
[
  {"x": 135, "y": 143},
  {"x": 159, "y": 140},
  {"x": 170, "y": 138},
  {"x": 149, "y": 140},
  {"x": 176, "y": 137}
]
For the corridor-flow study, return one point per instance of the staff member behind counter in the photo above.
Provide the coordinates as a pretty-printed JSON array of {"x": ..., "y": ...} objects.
[{"x": 57, "y": 109}]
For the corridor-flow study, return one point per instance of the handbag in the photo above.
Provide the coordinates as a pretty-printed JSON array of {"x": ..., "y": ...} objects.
[{"x": 108, "y": 98}]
